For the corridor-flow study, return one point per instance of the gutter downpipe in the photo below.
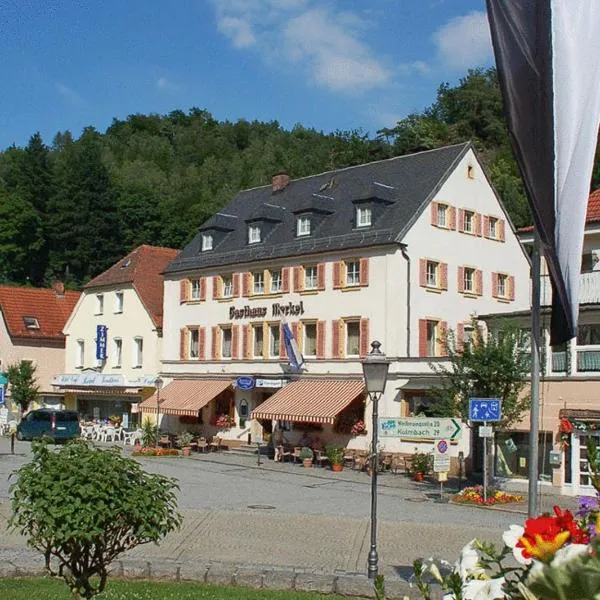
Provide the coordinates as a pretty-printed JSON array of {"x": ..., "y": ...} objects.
[{"x": 407, "y": 258}]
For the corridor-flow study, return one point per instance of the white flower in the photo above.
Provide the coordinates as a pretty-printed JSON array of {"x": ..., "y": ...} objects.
[
  {"x": 468, "y": 563},
  {"x": 484, "y": 589},
  {"x": 511, "y": 537},
  {"x": 568, "y": 553}
]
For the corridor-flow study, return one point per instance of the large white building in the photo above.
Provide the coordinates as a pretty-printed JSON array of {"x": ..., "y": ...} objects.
[{"x": 398, "y": 251}]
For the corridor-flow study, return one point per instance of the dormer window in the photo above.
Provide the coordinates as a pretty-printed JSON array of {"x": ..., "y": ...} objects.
[
  {"x": 363, "y": 216},
  {"x": 303, "y": 226},
  {"x": 31, "y": 323},
  {"x": 207, "y": 242},
  {"x": 253, "y": 234}
]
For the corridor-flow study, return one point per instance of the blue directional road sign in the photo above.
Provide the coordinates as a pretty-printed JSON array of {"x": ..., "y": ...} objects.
[{"x": 485, "y": 409}]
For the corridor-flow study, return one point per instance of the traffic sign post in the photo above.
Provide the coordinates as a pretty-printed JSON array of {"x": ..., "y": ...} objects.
[
  {"x": 420, "y": 428},
  {"x": 441, "y": 462}
]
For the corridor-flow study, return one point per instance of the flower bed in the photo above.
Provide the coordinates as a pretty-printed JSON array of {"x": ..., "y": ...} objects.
[
  {"x": 156, "y": 452},
  {"x": 474, "y": 495}
]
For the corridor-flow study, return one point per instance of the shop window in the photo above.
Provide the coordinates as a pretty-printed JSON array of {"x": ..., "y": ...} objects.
[
  {"x": 363, "y": 216},
  {"x": 274, "y": 341},
  {"x": 225, "y": 342},
  {"x": 118, "y": 302},
  {"x": 253, "y": 234},
  {"x": 227, "y": 289},
  {"x": 310, "y": 339},
  {"x": 302, "y": 226},
  {"x": 118, "y": 352},
  {"x": 353, "y": 273},
  {"x": 138, "y": 352},
  {"x": 258, "y": 282},
  {"x": 207, "y": 242},
  {"x": 194, "y": 347},
  {"x": 80, "y": 354},
  {"x": 419, "y": 406},
  {"x": 99, "y": 304},
  {"x": 352, "y": 338},
  {"x": 257, "y": 331},
  {"x": 276, "y": 281},
  {"x": 512, "y": 454},
  {"x": 243, "y": 411},
  {"x": 195, "y": 289},
  {"x": 310, "y": 278}
]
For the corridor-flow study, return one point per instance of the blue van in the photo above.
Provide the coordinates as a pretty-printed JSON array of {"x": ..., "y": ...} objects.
[{"x": 56, "y": 425}]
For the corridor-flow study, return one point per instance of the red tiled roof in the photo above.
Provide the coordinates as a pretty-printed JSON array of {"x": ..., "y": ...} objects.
[
  {"x": 186, "y": 396},
  {"x": 592, "y": 215},
  {"x": 312, "y": 401},
  {"x": 49, "y": 309},
  {"x": 143, "y": 269}
]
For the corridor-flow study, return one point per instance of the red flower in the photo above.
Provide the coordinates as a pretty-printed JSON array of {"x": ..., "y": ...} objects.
[{"x": 565, "y": 426}]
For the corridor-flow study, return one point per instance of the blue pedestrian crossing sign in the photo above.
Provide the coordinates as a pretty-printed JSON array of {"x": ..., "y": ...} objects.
[{"x": 485, "y": 409}]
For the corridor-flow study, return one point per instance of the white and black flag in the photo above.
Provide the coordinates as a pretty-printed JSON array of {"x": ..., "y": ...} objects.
[{"x": 548, "y": 59}]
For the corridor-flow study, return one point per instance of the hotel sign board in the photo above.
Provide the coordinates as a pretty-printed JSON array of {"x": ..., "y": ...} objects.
[{"x": 420, "y": 428}]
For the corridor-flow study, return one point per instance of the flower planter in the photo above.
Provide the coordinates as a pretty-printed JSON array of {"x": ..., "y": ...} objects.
[
  {"x": 337, "y": 467},
  {"x": 307, "y": 462},
  {"x": 418, "y": 476},
  {"x": 187, "y": 450}
]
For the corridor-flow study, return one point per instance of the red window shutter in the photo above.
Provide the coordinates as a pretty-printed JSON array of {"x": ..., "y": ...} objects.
[
  {"x": 201, "y": 343},
  {"x": 214, "y": 350},
  {"x": 298, "y": 272},
  {"x": 202, "y": 289},
  {"x": 422, "y": 272},
  {"x": 247, "y": 291},
  {"x": 434, "y": 206},
  {"x": 461, "y": 219},
  {"x": 320, "y": 339},
  {"x": 236, "y": 285},
  {"x": 443, "y": 276},
  {"x": 282, "y": 351},
  {"x": 321, "y": 276},
  {"x": 183, "y": 291},
  {"x": 501, "y": 230},
  {"x": 247, "y": 342},
  {"x": 478, "y": 228},
  {"x": 511, "y": 288},
  {"x": 182, "y": 340},
  {"x": 337, "y": 274},
  {"x": 235, "y": 341},
  {"x": 486, "y": 226},
  {"x": 452, "y": 217},
  {"x": 460, "y": 336},
  {"x": 364, "y": 337},
  {"x": 364, "y": 271},
  {"x": 215, "y": 291},
  {"x": 335, "y": 339},
  {"x": 443, "y": 331},
  {"x": 422, "y": 337},
  {"x": 461, "y": 280},
  {"x": 478, "y": 282},
  {"x": 285, "y": 279},
  {"x": 494, "y": 285}
]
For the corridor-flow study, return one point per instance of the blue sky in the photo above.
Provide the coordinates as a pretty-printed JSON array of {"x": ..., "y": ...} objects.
[{"x": 327, "y": 64}]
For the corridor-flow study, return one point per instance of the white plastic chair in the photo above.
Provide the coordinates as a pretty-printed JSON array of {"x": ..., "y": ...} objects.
[
  {"x": 108, "y": 432},
  {"x": 129, "y": 437}
]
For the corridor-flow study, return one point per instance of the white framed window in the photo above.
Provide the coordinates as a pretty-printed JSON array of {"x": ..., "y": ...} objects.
[
  {"x": 502, "y": 285},
  {"x": 469, "y": 221},
  {"x": 492, "y": 227},
  {"x": 225, "y": 342},
  {"x": 227, "y": 289},
  {"x": 118, "y": 352},
  {"x": 468, "y": 279},
  {"x": 432, "y": 338},
  {"x": 207, "y": 242},
  {"x": 194, "y": 349},
  {"x": 303, "y": 226},
  {"x": 431, "y": 273},
  {"x": 138, "y": 352},
  {"x": 276, "y": 282},
  {"x": 80, "y": 354},
  {"x": 363, "y": 216},
  {"x": 310, "y": 278},
  {"x": 118, "y": 302},
  {"x": 253, "y": 234},
  {"x": 353, "y": 272},
  {"x": 195, "y": 289},
  {"x": 441, "y": 215},
  {"x": 258, "y": 282},
  {"x": 257, "y": 346},
  {"x": 310, "y": 339},
  {"x": 469, "y": 333},
  {"x": 31, "y": 323},
  {"x": 352, "y": 338},
  {"x": 99, "y": 304},
  {"x": 274, "y": 341}
]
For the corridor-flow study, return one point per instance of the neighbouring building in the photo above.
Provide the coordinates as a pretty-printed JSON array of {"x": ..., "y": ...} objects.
[
  {"x": 570, "y": 381},
  {"x": 114, "y": 338},
  {"x": 398, "y": 251},
  {"x": 32, "y": 330}
]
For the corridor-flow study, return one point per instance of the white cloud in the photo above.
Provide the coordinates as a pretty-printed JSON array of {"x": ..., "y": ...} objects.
[
  {"x": 417, "y": 66},
  {"x": 325, "y": 44},
  {"x": 464, "y": 41},
  {"x": 70, "y": 95},
  {"x": 163, "y": 84}
]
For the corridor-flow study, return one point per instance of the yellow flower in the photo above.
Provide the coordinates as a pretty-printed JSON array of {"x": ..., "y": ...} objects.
[{"x": 544, "y": 549}]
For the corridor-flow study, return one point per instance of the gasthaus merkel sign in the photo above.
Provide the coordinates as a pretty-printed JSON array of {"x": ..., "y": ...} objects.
[{"x": 291, "y": 309}]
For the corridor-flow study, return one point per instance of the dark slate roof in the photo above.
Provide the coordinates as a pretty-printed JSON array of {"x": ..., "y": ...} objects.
[{"x": 401, "y": 188}]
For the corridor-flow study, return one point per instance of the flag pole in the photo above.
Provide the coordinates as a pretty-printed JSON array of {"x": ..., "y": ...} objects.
[{"x": 534, "y": 413}]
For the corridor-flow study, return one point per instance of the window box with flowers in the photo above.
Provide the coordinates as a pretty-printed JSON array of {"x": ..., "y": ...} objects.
[
  {"x": 224, "y": 422},
  {"x": 359, "y": 428}
]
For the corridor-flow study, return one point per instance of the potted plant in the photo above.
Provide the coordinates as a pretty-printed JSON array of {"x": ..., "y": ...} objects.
[
  {"x": 421, "y": 465},
  {"x": 335, "y": 454},
  {"x": 224, "y": 421},
  {"x": 359, "y": 428},
  {"x": 306, "y": 456},
  {"x": 183, "y": 441}
]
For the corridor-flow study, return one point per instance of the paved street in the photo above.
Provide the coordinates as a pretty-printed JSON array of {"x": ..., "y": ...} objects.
[{"x": 286, "y": 515}]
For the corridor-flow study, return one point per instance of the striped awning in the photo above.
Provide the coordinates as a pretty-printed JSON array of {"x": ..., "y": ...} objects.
[
  {"x": 186, "y": 396},
  {"x": 310, "y": 400}
]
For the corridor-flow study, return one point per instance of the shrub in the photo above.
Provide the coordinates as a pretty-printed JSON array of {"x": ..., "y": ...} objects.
[
  {"x": 306, "y": 453},
  {"x": 83, "y": 506},
  {"x": 148, "y": 433},
  {"x": 335, "y": 454},
  {"x": 184, "y": 439}
]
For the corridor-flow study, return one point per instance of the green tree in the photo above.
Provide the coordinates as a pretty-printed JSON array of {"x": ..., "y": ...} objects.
[
  {"x": 83, "y": 506},
  {"x": 493, "y": 365},
  {"x": 23, "y": 387}
]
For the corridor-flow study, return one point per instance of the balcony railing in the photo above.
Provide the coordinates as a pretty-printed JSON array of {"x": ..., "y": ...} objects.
[
  {"x": 559, "y": 362},
  {"x": 589, "y": 289},
  {"x": 588, "y": 361}
]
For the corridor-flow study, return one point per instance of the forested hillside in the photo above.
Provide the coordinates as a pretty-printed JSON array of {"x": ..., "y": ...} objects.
[{"x": 71, "y": 208}]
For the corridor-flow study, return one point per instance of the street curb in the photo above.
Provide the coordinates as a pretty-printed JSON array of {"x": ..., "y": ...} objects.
[{"x": 349, "y": 584}]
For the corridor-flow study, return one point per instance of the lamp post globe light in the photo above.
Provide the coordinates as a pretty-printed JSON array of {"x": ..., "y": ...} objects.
[
  {"x": 158, "y": 383},
  {"x": 375, "y": 370}
]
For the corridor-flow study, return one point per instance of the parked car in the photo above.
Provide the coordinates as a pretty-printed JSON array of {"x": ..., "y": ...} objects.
[{"x": 57, "y": 425}]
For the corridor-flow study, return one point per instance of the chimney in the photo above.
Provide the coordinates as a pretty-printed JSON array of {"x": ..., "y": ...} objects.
[
  {"x": 280, "y": 182},
  {"x": 59, "y": 288}
]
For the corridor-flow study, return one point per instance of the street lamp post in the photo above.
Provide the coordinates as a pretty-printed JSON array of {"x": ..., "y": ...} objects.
[
  {"x": 158, "y": 383},
  {"x": 375, "y": 369}
]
